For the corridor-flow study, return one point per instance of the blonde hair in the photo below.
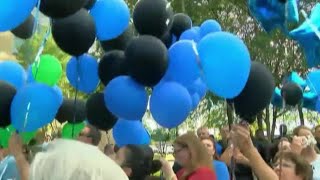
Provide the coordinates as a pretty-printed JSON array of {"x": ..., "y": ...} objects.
[
  {"x": 199, "y": 153},
  {"x": 73, "y": 160}
]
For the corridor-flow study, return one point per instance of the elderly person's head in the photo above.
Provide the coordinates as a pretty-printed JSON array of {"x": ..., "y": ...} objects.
[
  {"x": 90, "y": 135},
  {"x": 73, "y": 160},
  {"x": 203, "y": 132},
  {"x": 294, "y": 167}
]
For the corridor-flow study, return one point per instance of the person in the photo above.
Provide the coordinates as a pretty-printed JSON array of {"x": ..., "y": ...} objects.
[
  {"x": 287, "y": 166},
  {"x": 194, "y": 158},
  {"x": 90, "y": 135},
  {"x": 307, "y": 150},
  {"x": 203, "y": 132},
  {"x": 137, "y": 161},
  {"x": 225, "y": 134},
  {"x": 219, "y": 166},
  {"x": 66, "y": 160},
  {"x": 317, "y": 135}
]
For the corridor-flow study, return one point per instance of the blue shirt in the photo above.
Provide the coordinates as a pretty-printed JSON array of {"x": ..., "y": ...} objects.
[
  {"x": 8, "y": 169},
  {"x": 221, "y": 170},
  {"x": 218, "y": 148}
]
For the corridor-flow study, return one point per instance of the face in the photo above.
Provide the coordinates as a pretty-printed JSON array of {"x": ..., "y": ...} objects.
[
  {"x": 225, "y": 133},
  {"x": 182, "y": 155},
  {"x": 304, "y": 132},
  {"x": 209, "y": 145},
  {"x": 287, "y": 171},
  {"x": 203, "y": 133},
  {"x": 317, "y": 134},
  {"x": 84, "y": 136}
]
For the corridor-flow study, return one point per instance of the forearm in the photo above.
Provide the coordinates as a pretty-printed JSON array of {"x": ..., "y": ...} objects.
[
  {"x": 259, "y": 166},
  {"x": 23, "y": 166}
]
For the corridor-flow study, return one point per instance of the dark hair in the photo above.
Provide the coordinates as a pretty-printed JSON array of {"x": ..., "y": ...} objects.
[
  {"x": 140, "y": 160},
  {"x": 215, "y": 156},
  {"x": 95, "y": 134},
  {"x": 302, "y": 169}
]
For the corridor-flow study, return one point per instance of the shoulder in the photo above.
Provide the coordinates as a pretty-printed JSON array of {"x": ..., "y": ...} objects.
[{"x": 203, "y": 173}]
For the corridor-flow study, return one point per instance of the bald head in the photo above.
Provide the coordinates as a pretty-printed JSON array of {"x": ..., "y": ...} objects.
[{"x": 203, "y": 132}]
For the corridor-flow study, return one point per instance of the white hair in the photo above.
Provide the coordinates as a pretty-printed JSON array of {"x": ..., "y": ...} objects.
[{"x": 73, "y": 160}]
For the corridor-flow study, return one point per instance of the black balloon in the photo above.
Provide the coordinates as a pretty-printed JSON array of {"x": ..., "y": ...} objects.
[
  {"x": 7, "y": 93},
  {"x": 147, "y": 60},
  {"x": 167, "y": 39},
  {"x": 111, "y": 65},
  {"x": 119, "y": 43},
  {"x": 74, "y": 34},
  {"x": 291, "y": 93},
  {"x": 90, "y": 4},
  {"x": 152, "y": 17},
  {"x": 71, "y": 111},
  {"x": 98, "y": 114},
  {"x": 181, "y": 22},
  {"x": 24, "y": 30},
  {"x": 61, "y": 8},
  {"x": 256, "y": 94}
]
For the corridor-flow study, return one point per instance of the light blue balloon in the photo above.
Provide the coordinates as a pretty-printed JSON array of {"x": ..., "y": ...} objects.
[
  {"x": 130, "y": 132},
  {"x": 313, "y": 81},
  {"x": 209, "y": 26},
  {"x": 183, "y": 63},
  {"x": 125, "y": 98},
  {"x": 191, "y": 34},
  {"x": 310, "y": 100},
  {"x": 13, "y": 73},
  {"x": 170, "y": 104},
  {"x": 112, "y": 18},
  {"x": 14, "y": 12},
  {"x": 225, "y": 60},
  {"x": 82, "y": 73},
  {"x": 42, "y": 102},
  {"x": 277, "y": 98}
]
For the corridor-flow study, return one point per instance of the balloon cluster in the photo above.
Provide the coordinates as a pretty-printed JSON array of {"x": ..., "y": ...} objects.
[
  {"x": 273, "y": 14},
  {"x": 297, "y": 91}
]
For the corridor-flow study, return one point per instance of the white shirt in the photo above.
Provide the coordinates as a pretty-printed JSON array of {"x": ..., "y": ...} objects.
[{"x": 316, "y": 168}]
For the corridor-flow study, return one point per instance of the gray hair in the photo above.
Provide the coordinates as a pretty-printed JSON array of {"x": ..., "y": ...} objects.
[{"x": 73, "y": 160}]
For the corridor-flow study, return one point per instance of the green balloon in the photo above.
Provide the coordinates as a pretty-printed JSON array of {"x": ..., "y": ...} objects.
[
  {"x": 68, "y": 127},
  {"x": 5, "y": 134},
  {"x": 47, "y": 70}
]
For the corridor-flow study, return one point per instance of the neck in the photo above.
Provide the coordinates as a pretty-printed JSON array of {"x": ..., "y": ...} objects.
[{"x": 309, "y": 154}]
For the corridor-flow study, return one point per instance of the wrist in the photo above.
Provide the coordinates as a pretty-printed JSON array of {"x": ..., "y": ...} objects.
[{"x": 249, "y": 152}]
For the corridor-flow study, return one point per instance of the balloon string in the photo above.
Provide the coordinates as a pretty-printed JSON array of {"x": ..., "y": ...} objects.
[
  {"x": 36, "y": 24},
  {"x": 75, "y": 96},
  {"x": 312, "y": 85},
  {"x": 44, "y": 41}
]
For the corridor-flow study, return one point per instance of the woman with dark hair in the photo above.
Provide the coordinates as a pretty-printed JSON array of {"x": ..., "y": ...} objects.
[
  {"x": 220, "y": 167},
  {"x": 137, "y": 161}
]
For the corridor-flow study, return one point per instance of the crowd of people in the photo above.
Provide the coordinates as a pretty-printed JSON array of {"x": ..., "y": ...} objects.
[{"x": 198, "y": 156}]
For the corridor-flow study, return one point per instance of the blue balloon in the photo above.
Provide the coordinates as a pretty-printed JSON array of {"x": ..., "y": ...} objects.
[
  {"x": 225, "y": 60},
  {"x": 191, "y": 34},
  {"x": 112, "y": 18},
  {"x": 170, "y": 104},
  {"x": 82, "y": 73},
  {"x": 30, "y": 78},
  {"x": 14, "y": 12},
  {"x": 310, "y": 100},
  {"x": 130, "y": 132},
  {"x": 195, "y": 100},
  {"x": 209, "y": 26},
  {"x": 296, "y": 78},
  {"x": 126, "y": 98},
  {"x": 13, "y": 73},
  {"x": 277, "y": 98},
  {"x": 183, "y": 63},
  {"x": 199, "y": 87},
  {"x": 313, "y": 81},
  {"x": 42, "y": 102},
  {"x": 58, "y": 91}
]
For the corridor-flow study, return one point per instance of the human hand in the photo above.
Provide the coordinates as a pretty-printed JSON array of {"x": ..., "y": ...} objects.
[
  {"x": 297, "y": 144},
  {"x": 241, "y": 138},
  {"x": 15, "y": 145}
]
